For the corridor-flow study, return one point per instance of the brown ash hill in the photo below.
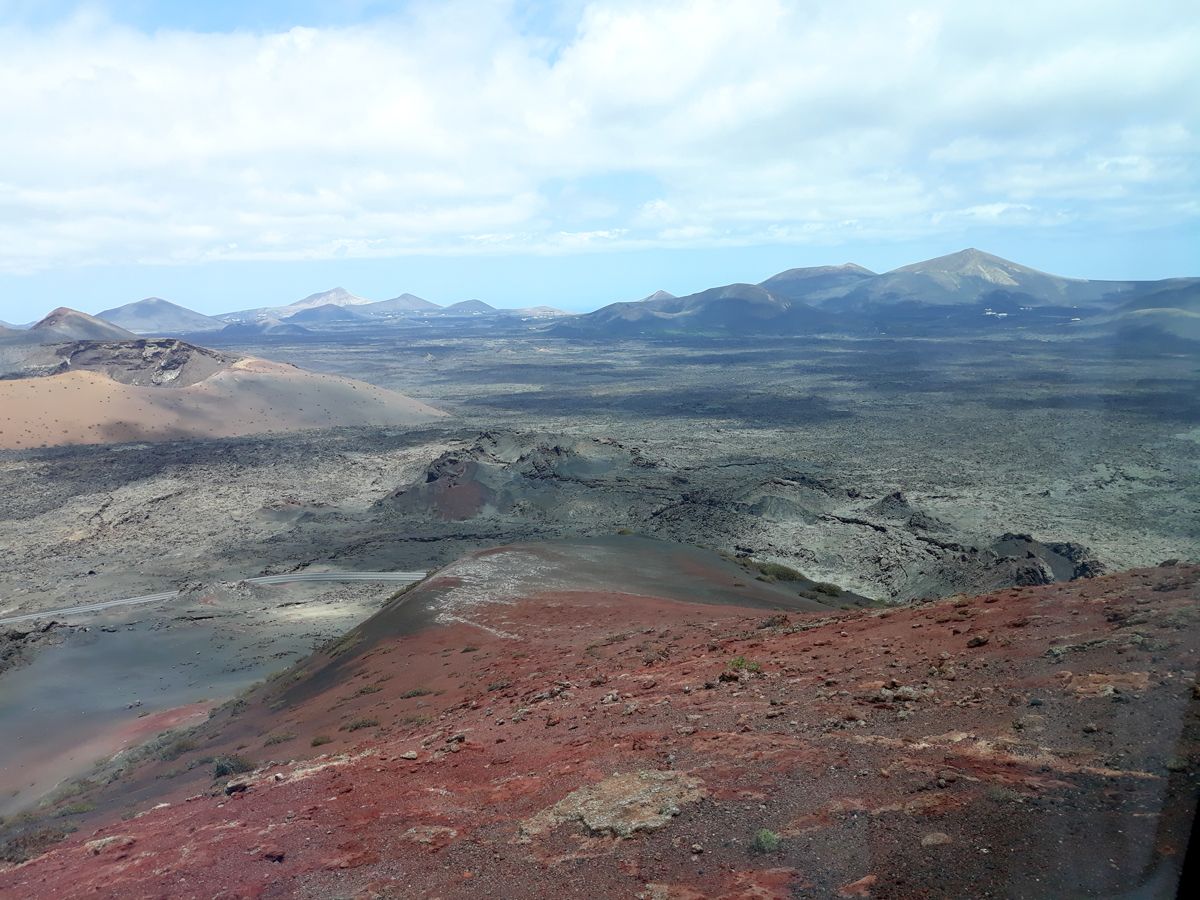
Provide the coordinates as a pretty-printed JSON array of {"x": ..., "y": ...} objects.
[{"x": 115, "y": 391}]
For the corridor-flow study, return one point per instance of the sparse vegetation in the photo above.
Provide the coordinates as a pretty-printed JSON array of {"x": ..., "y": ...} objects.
[
  {"x": 769, "y": 571},
  {"x": 359, "y": 724},
  {"x": 741, "y": 664},
  {"x": 404, "y": 590},
  {"x": 415, "y": 692},
  {"x": 25, "y": 845},
  {"x": 999, "y": 794},
  {"x": 321, "y": 739},
  {"x": 764, "y": 841},
  {"x": 344, "y": 644},
  {"x": 611, "y": 639},
  {"x": 367, "y": 689},
  {"x": 177, "y": 748},
  {"x": 77, "y": 808},
  {"x": 224, "y": 766},
  {"x": 234, "y": 707},
  {"x": 281, "y": 738}
]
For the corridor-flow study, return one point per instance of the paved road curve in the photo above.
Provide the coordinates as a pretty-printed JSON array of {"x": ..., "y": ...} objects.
[{"x": 341, "y": 577}]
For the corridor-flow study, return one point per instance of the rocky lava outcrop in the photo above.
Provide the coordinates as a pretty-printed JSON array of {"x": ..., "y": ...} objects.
[
  {"x": 533, "y": 486},
  {"x": 1034, "y": 742}
]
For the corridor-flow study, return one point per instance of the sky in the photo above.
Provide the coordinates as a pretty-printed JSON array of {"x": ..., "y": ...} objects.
[{"x": 227, "y": 155}]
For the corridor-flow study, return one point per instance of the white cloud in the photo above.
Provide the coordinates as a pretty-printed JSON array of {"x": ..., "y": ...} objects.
[{"x": 684, "y": 123}]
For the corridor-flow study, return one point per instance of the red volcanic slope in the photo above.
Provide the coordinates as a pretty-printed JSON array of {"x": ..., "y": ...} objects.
[{"x": 1036, "y": 742}]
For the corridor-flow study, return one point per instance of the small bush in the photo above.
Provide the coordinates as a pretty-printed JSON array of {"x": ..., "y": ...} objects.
[
  {"x": 344, "y": 644},
  {"x": 778, "y": 572},
  {"x": 470, "y": 649},
  {"x": 321, "y": 739},
  {"x": 829, "y": 590},
  {"x": 177, "y": 748},
  {"x": 999, "y": 794},
  {"x": 224, "y": 766},
  {"x": 740, "y": 663},
  {"x": 368, "y": 689},
  {"x": 764, "y": 841},
  {"x": 234, "y": 707},
  {"x": 75, "y": 809},
  {"x": 20, "y": 847},
  {"x": 282, "y": 738},
  {"x": 358, "y": 724},
  {"x": 415, "y": 692}
]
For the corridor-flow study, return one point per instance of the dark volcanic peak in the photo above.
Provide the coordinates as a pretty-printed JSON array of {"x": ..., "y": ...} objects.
[
  {"x": 974, "y": 263},
  {"x": 155, "y": 315},
  {"x": 72, "y": 325},
  {"x": 469, "y": 307},
  {"x": 732, "y": 308},
  {"x": 403, "y": 303},
  {"x": 815, "y": 283},
  {"x": 267, "y": 325},
  {"x": 328, "y": 312},
  {"x": 972, "y": 277},
  {"x": 335, "y": 297}
]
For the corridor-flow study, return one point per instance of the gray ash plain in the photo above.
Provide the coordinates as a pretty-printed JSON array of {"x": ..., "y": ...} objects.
[
  {"x": 786, "y": 449},
  {"x": 896, "y": 469}
]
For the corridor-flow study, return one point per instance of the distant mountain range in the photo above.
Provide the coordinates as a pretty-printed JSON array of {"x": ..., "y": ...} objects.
[
  {"x": 959, "y": 293},
  {"x": 335, "y": 307},
  {"x": 963, "y": 293}
]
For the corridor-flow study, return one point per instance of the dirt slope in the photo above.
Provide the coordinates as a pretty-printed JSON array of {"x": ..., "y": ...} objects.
[
  {"x": 1037, "y": 742},
  {"x": 93, "y": 405}
]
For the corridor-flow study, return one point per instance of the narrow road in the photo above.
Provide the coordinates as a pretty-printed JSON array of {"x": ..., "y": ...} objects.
[{"x": 339, "y": 577}]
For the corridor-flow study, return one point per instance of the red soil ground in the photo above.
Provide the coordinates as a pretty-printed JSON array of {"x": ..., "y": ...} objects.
[{"x": 1037, "y": 742}]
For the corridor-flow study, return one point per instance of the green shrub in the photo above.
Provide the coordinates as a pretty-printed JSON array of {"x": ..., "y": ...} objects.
[
  {"x": 415, "y": 692},
  {"x": 740, "y": 663},
  {"x": 368, "y": 689},
  {"x": 358, "y": 724},
  {"x": 224, "y": 766},
  {"x": 177, "y": 748},
  {"x": 345, "y": 643},
  {"x": 321, "y": 739},
  {"x": 26, "y": 845},
  {"x": 281, "y": 738},
  {"x": 764, "y": 841},
  {"x": 778, "y": 571},
  {"x": 77, "y": 808}
]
